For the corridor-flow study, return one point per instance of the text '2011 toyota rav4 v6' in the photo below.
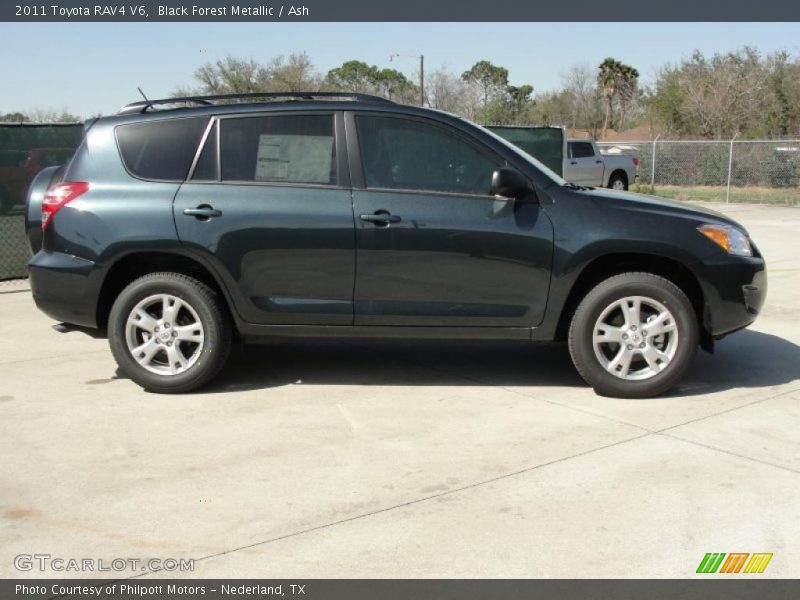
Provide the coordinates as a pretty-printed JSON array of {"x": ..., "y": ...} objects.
[{"x": 180, "y": 224}]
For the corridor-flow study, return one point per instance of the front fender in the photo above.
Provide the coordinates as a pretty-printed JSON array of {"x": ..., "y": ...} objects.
[{"x": 594, "y": 225}]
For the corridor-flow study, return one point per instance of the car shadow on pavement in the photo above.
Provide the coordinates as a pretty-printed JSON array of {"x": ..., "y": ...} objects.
[
  {"x": 98, "y": 334},
  {"x": 747, "y": 359},
  {"x": 743, "y": 360}
]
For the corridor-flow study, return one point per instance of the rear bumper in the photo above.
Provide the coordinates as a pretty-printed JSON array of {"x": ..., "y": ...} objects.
[
  {"x": 735, "y": 289},
  {"x": 65, "y": 287}
]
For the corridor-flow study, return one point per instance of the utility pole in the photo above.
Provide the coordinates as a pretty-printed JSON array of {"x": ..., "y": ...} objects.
[{"x": 421, "y": 58}]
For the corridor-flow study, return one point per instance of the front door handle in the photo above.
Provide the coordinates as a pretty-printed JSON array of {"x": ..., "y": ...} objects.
[
  {"x": 204, "y": 211},
  {"x": 573, "y": 162},
  {"x": 381, "y": 217}
]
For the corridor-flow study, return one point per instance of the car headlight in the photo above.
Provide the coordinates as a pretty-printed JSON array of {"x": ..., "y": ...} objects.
[{"x": 729, "y": 238}]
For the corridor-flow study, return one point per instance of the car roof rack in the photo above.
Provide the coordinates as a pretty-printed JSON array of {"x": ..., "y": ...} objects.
[{"x": 143, "y": 106}]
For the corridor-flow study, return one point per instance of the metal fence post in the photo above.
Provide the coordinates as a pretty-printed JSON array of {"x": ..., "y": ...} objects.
[
  {"x": 653, "y": 166},
  {"x": 730, "y": 167}
]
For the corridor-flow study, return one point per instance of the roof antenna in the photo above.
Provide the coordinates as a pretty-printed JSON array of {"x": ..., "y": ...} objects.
[{"x": 149, "y": 104}]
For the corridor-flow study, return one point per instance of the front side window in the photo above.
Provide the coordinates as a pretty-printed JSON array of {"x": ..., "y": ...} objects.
[
  {"x": 409, "y": 154},
  {"x": 278, "y": 149}
]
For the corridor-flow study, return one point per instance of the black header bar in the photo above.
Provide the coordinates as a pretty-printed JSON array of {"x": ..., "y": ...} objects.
[{"x": 401, "y": 10}]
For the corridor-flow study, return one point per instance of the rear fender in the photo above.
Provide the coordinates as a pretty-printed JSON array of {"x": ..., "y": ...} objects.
[{"x": 33, "y": 204}]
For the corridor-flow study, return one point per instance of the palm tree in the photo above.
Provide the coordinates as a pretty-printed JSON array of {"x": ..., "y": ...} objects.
[{"x": 609, "y": 79}]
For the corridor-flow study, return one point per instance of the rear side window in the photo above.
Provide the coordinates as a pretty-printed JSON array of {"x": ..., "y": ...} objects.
[
  {"x": 581, "y": 150},
  {"x": 278, "y": 148},
  {"x": 161, "y": 150}
]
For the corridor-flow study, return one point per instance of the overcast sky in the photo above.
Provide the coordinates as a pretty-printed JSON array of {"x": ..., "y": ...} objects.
[{"x": 89, "y": 68}]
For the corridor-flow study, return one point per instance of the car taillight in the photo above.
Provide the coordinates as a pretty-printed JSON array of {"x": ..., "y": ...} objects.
[
  {"x": 59, "y": 195},
  {"x": 635, "y": 162}
]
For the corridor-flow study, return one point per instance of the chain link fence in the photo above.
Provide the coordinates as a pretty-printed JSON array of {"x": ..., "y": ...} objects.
[
  {"x": 761, "y": 171},
  {"x": 26, "y": 149}
]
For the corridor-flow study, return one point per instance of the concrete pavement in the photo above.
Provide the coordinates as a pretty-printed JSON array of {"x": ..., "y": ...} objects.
[{"x": 323, "y": 460}]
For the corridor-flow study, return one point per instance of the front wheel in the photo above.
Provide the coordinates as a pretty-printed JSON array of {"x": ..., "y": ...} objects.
[
  {"x": 169, "y": 333},
  {"x": 633, "y": 336}
]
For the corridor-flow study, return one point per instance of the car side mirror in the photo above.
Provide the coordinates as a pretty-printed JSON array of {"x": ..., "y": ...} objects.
[{"x": 510, "y": 183}]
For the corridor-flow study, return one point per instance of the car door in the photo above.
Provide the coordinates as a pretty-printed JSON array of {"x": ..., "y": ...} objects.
[
  {"x": 583, "y": 166},
  {"x": 268, "y": 205},
  {"x": 433, "y": 247}
]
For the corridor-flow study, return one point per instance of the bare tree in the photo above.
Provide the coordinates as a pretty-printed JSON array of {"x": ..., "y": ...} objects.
[
  {"x": 232, "y": 76},
  {"x": 49, "y": 115},
  {"x": 584, "y": 99},
  {"x": 446, "y": 91},
  {"x": 737, "y": 93},
  {"x": 294, "y": 73},
  {"x": 627, "y": 91},
  {"x": 723, "y": 94}
]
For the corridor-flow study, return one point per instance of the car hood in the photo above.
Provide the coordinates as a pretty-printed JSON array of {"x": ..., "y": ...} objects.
[{"x": 660, "y": 205}]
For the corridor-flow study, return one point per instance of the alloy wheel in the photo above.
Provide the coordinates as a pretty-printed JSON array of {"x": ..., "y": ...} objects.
[
  {"x": 164, "y": 334},
  {"x": 635, "y": 338}
]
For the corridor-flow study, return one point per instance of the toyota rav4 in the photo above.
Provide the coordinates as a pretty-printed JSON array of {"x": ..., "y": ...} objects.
[{"x": 182, "y": 224}]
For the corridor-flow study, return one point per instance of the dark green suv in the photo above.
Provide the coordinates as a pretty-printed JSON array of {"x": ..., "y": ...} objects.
[{"x": 182, "y": 223}]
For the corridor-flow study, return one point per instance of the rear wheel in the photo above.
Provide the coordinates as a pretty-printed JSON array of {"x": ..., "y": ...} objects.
[
  {"x": 169, "y": 333},
  {"x": 618, "y": 181},
  {"x": 633, "y": 336}
]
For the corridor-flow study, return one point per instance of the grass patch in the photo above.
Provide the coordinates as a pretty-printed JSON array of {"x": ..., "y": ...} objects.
[{"x": 716, "y": 193}]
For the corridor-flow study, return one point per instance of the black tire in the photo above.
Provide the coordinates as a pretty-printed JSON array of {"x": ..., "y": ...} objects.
[
  {"x": 618, "y": 178},
  {"x": 601, "y": 298},
  {"x": 216, "y": 329}
]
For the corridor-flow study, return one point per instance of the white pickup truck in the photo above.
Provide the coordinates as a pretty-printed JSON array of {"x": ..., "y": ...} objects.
[{"x": 585, "y": 165}]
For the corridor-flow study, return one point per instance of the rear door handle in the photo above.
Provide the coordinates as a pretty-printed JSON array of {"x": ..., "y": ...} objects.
[
  {"x": 204, "y": 211},
  {"x": 381, "y": 217}
]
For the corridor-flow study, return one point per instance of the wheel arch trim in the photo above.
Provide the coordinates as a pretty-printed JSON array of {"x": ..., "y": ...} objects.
[
  {"x": 121, "y": 262},
  {"x": 568, "y": 288}
]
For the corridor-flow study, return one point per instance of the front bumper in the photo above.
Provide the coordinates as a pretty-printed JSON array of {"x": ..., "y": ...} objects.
[
  {"x": 734, "y": 289},
  {"x": 65, "y": 287}
]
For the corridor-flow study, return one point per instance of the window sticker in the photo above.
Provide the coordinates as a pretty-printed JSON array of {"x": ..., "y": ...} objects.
[{"x": 299, "y": 158}]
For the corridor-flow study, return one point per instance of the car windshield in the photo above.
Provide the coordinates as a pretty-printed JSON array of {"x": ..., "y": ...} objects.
[{"x": 525, "y": 156}]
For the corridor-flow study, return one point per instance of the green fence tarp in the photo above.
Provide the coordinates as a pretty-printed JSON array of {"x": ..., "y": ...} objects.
[
  {"x": 545, "y": 144},
  {"x": 26, "y": 149}
]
